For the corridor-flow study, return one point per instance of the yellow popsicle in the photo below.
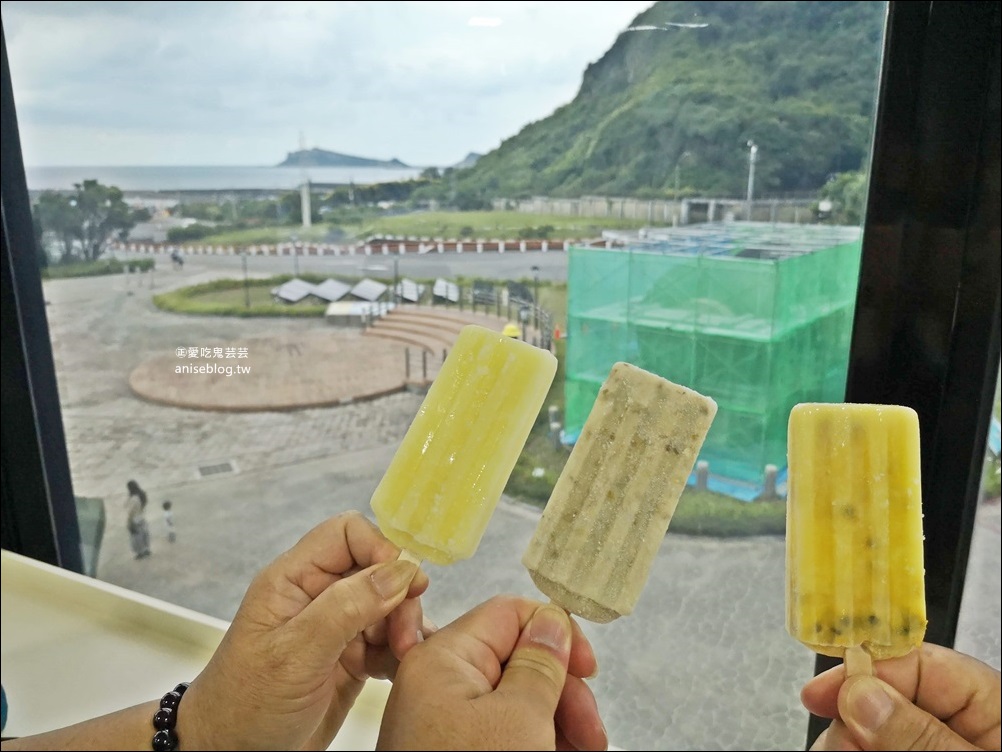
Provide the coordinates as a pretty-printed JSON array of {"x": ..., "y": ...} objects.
[
  {"x": 597, "y": 539},
  {"x": 854, "y": 562},
  {"x": 447, "y": 476}
]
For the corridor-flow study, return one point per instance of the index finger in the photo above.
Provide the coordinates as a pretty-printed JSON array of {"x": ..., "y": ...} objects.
[{"x": 341, "y": 545}]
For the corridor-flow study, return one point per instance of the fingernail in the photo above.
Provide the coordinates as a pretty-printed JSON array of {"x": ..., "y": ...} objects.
[
  {"x": 393, "y": 577},
  {"x": 870, "y": 704},
  {"x": 549, "y": 626}
]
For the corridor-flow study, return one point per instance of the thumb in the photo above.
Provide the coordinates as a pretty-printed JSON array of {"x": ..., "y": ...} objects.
[
  {"x": 537, "y": 668},
  {"x": 342, "y": 611},
  {"x": 879, "y": 717}
]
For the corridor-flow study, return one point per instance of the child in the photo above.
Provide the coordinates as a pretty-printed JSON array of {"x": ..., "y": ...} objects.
[
  {"x": 169, "y": 521},
  {"x": 139, "y": 533}
]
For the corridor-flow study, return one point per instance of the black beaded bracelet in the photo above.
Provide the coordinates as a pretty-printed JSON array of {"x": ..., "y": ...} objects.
[{"x": 165, "y": 719}]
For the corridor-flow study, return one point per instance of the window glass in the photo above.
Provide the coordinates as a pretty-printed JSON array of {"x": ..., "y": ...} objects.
[
  {"x": 262, "y": 225},
  {"x": 980, "y": 609}
]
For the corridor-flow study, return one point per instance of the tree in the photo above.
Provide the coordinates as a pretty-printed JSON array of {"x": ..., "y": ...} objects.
[
  {"x": 40, "y": 252},
  {"x": 847, "y": 192},
  {"x": 87, "y": 218},
  {"x": 59, "y": 217},
  {"x": 104, "y": 213}
]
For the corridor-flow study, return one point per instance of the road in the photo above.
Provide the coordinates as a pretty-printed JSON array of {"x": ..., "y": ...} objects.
[{"x": 512, "y": 265}]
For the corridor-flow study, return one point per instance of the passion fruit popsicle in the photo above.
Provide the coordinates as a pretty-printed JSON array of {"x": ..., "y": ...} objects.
[
  {"x": 854, "y": 562},
  {"x": 447, "y": 476}
]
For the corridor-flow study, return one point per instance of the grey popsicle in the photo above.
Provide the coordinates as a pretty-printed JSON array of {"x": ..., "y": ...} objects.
[{"x": 609, "y": 511}]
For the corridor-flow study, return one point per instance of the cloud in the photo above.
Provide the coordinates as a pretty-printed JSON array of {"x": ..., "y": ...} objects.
[{"x": 237, "y": 82}]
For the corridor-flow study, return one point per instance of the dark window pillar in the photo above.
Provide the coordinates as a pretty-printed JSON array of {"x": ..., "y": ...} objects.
[
  {"x": 37, "y": 510},
  {"x": 926, "y": 332}
]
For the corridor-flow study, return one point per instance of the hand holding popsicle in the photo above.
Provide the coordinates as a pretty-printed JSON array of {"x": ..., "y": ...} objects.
[
  {"x": 931, "y": 698},
  {"x": 333, "y": 610},
  {"x": 854, "y": 571},
  {"x": 610, "y": 508},
  {"x": 445, "y": 480},
  {"x": 506, "y": 675}
]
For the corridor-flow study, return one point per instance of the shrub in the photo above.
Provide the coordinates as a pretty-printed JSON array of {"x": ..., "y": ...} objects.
[
  {"x": 190, "y": 233},
  {"x": 96, "y": 268}
]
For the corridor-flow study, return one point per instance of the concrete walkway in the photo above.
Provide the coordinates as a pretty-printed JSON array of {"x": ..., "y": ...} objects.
[
  {"x": 321, "y": 366},
  {"x": 703, "y": 663}
]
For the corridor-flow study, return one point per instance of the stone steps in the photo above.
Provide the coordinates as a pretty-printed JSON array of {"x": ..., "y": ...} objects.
[{"x": 432, "y": 329}]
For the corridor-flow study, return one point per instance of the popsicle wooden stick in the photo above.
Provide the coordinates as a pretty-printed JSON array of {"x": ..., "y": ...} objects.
[
  {"x": 858, "y": 661},
  {"x": 406, "y": 555}
]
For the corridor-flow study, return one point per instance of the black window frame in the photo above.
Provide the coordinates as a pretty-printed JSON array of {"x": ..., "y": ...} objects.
[
  {"x": 38, "y": 516},
  {"x": 926, "y": 327}
]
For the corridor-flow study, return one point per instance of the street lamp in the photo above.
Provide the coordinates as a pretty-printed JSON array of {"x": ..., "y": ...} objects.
[
  {"x": 535, "y": 296},
  {"x": 243, "y": 255},
  {"x": 523, "y": 316},
  {"x": 396, "y": 281},
  {"x": 678, "y": 204},
  {"x": 678, "y": 163},
  {"x": 752, "y": 156}
]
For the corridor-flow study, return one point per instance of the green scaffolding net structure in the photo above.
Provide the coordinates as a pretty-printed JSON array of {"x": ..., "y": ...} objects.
[{"x": 757, "y": 316}]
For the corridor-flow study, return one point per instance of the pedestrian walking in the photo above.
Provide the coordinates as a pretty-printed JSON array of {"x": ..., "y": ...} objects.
[
  {"x": 139, "y": 531},
  {"x": 169, "y": 521}
]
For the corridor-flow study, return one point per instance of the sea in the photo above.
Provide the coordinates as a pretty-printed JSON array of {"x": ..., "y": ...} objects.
[{"x": 208, "y": 178}]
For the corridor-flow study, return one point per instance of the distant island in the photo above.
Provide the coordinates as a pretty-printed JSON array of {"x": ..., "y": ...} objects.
[
  {"x": 324, "y": 158},
  {"x": 468, "y": 161}
]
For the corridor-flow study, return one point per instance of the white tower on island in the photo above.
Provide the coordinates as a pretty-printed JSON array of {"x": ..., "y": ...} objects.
[
  {"x": 304, "y": 200},
  {"x": 305, "y": 205}
]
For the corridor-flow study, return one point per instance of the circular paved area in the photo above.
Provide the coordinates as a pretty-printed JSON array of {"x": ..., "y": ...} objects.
[{"x": 317, "y": 368}]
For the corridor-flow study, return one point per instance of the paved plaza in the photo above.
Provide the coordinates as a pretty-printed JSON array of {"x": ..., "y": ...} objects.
[{"x": 703, "y": 663}]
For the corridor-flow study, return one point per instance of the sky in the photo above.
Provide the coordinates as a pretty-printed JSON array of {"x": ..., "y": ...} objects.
[{"x": 244, "y": 83}]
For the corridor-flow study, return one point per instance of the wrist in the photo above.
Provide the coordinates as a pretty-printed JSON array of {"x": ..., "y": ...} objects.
[
  {"x": 193, "y": 732},
  {"x": 165, "y": 738}
]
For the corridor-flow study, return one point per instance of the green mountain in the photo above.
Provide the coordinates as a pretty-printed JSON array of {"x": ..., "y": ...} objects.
[
  {"x": 324, "y": 158},
  {"x": 799, "y": 79}
]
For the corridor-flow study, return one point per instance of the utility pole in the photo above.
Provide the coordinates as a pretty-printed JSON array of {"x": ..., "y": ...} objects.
[
  {"x": 396, "y": 282},
  {"x": 243, "y": 255},
  {"x": 678, "y": 187},
  {"x": 535, "y": 296},
  {"x": 752, "y": 156}
]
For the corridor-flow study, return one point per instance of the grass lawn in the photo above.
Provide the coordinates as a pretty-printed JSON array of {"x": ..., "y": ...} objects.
[
  {"x": 493, "y": 224},
  {"x": 265, "y": 236},
  {"x": 469, "y": 225},
  {"x": 553, "y": 298},
  {"x": 258, "y": 294},
  {"x": 96, "y": 268},
  {"x": 226, "y": 297},
  {"x": 708, "y": 513}
]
